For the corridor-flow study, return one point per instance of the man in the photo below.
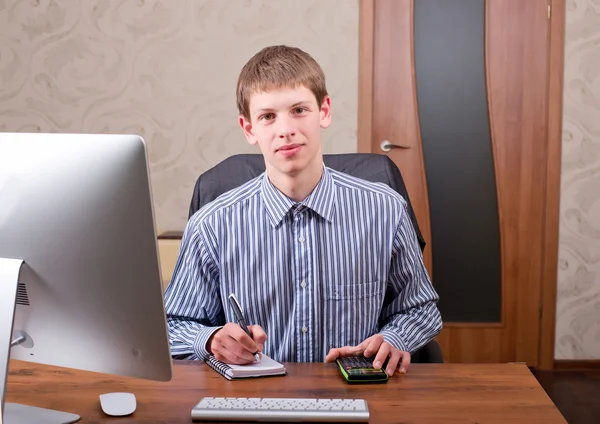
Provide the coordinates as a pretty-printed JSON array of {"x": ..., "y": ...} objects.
[{"x": 325, "y": 264}]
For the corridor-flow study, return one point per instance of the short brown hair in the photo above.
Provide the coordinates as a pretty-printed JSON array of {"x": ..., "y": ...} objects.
[{"x": 277, "y": 67}]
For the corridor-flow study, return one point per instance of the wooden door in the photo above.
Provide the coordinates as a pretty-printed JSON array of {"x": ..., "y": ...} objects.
[{"x": 461, "y": 87}]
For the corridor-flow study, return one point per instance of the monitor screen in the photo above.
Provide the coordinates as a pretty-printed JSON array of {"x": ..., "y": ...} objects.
[{"x": 77, "y": 210}]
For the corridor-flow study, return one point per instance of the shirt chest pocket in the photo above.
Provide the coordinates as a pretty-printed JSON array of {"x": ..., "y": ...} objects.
[
  {"x": 353, "y": 312},
  {"x": 353, "y": 291}
]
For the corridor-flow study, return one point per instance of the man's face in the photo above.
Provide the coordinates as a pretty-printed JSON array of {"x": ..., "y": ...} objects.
[{"x": 286, "y": 124}]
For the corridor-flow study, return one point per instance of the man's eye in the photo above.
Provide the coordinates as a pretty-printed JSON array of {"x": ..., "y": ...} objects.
[
  {"x": 267, "y": 117},
  {"x": 299, "y": 110}
]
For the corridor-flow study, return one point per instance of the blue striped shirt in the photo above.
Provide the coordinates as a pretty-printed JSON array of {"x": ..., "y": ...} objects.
[{"x": 330, "y": 271}]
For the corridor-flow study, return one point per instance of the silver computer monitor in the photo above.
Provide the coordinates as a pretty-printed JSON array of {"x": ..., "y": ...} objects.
[{"x": 76, "y": 209}]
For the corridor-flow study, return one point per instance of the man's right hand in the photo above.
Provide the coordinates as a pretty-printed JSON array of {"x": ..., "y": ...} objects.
[{"x": 232, "y": 345}]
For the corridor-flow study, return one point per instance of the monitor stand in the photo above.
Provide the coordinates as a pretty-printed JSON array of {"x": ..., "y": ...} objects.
[{"x": 13, "y": 413}]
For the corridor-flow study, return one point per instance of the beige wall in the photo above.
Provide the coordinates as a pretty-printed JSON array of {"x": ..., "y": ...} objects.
[
  {"x": 165, "y": 69},
  {"x": 578, "y": 308}
]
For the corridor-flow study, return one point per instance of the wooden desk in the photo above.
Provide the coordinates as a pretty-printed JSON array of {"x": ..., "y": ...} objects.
[{"x": 429, "y": 393}]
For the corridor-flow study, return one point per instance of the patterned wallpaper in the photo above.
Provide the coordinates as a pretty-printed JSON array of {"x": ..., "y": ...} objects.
[
  {"x": 578, "y": 306},
  {"x": 165, "y": 69}
]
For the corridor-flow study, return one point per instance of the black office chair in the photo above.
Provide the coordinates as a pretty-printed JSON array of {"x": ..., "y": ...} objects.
[{"x": 236, "y": 170}]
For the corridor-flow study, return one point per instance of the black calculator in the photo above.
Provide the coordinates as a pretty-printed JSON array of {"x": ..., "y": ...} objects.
[{"x": 359, "y": 370}]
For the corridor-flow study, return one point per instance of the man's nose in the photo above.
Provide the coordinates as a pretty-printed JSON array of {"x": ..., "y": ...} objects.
[{"x": 285, "y": 127}]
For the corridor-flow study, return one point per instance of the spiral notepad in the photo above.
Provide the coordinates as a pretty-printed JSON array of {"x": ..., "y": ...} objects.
[{"x": 266, "y": 367}]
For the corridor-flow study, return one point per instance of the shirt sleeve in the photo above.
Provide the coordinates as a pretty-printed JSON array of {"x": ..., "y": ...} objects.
[
  {"x": 192, "y": 301},
  {"x": 410, "y": 317}
]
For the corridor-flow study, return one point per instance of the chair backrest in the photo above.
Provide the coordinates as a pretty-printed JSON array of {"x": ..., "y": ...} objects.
[{"x": 236, "y": 170}]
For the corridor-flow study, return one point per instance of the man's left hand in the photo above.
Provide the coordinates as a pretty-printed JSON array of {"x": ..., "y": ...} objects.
[{"x": 371, "y": 346}]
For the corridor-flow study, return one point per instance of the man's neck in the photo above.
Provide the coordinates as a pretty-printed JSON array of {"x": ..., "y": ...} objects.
[{"x": 299, "y": 186}]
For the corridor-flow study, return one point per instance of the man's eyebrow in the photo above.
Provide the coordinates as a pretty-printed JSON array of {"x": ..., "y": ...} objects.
[
  {"x": 268, "y": 109},
  {"x": 300, "y": 103},
  {"x": 263, "y": 110}
]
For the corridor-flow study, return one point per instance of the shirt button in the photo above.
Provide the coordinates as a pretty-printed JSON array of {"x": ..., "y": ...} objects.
[
  {"x": 303, "y": 284},
  {"x": 304, "y": 330},
  {"x": 301, "y": 239}
]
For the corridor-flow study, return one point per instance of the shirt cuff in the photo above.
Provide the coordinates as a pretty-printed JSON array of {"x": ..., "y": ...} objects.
[
  {"x": 394, "y": 339},
  {"x": 200, "y": 343}
]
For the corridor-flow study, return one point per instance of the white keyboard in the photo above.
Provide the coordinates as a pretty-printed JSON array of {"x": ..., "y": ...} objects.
[{"x": 281, "y": 410}]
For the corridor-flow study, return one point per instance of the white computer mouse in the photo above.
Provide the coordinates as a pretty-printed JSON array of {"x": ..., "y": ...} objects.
[{"x": 118, "y": 404}]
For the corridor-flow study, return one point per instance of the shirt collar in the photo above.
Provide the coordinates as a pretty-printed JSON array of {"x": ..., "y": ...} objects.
[{"x": 321, "y": 199}]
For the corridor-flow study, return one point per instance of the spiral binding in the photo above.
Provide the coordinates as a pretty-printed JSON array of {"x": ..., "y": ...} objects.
[{"x": 218, "y": 366}]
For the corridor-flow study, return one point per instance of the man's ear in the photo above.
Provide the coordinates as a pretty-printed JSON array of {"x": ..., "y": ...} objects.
[
  {"x": 247, "y": 128},
  {"x": 326, "y": 112}
]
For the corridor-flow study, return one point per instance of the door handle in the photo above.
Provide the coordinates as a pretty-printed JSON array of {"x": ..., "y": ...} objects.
[{"x": 387, "y": 145}]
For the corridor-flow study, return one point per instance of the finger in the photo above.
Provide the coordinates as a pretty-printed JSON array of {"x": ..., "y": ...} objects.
[
  {"x": 223, "y": 354},
  {"x": 234, "y": 339},
  {"x": 235, "y": 351},
  {"x": 235, "y": 331},
  {"x": 405, "y": 362},
  {"x": 332, "y": 355},
  {"x": 382, "y": 354},
  {"x": 338, "y": 352},
  {"x": 374, "y": 343},
  {"x": 393, "y": 362},
  {"x": 219, "y": 341},
  {"x": 258, "y": 334}
]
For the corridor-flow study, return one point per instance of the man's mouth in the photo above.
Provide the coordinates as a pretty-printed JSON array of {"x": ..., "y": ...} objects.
[{"x": 289, "y": 147}]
